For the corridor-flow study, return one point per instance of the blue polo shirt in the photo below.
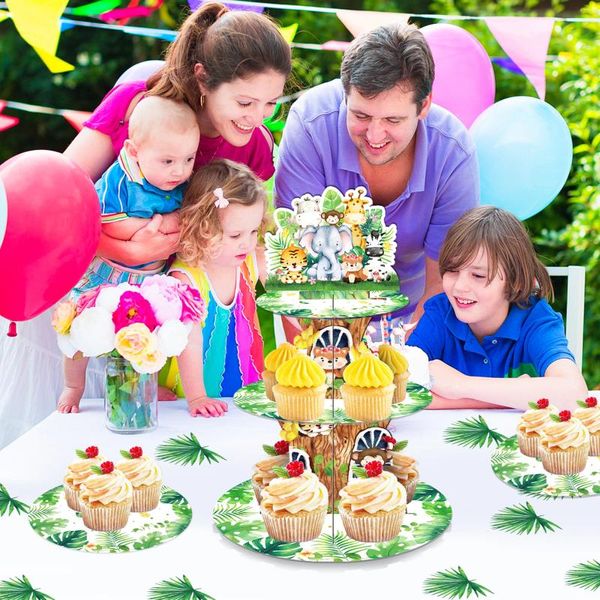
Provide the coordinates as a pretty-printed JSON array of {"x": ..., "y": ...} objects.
[
  {"x": 124, "y": 192},
  {"x": 528, "y": 341}
]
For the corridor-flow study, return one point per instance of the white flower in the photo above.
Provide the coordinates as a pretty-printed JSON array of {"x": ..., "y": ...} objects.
[
  {"x": 108, "y": 297},
  {"x": 65, "y": 345},
  {"x": 172, "y": 338},
  {"x": 93, "y": 332}
]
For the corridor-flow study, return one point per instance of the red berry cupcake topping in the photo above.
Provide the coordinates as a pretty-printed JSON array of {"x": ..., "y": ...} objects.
[
  {"x": 295, "y": 468},
  {"x": 389, "y": 439},
  {"x": 91, "y": 451},
  {"x": 543, "y": 403},
  {"x": 591, "y": 402},
  {"x": 564, "y": 415},
  {"x": 136, "y": 452},
  {"x": 107, "y": 467},
  {"x": 374, "y": 468},
  {"x": 282, "y": 447}
]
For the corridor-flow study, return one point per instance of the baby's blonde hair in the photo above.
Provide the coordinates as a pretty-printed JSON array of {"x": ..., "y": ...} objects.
[
  {"x": 156, "y": 116},
  {"x": 200, "y": 225}
]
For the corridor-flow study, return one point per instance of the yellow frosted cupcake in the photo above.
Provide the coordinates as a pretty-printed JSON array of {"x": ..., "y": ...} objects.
[
  {"x": 145, "y": 478},
  {"x": 399, "y": 366},
  {"x": 531, "y": 424},
  {"x": 263, "y": 470},
  {"x": 372, "y": 507},
  {"x": 78, "y": 472},
  {"x": 589, "y": 415},
  {"x": 294, "y": 504},
  {"x": 106, "y": 498},
  {"x": 273, "y": 361},
  {"x": 300, "y": 389},
  {"x": 368, "y": 389},
  {"x": 405, "y": 469},
  {"x": 564, "y": 445}
]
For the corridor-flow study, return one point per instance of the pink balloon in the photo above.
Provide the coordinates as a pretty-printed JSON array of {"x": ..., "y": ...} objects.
[
  {"x": 52, "y": 231},
  {"x": 464, "y": 77}
]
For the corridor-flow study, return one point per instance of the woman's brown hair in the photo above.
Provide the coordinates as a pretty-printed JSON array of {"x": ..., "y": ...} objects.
[
  {"x": 508, "y": 249},
  {"x": 199, "y": 221},
  {"x": 228, "y": 44}
]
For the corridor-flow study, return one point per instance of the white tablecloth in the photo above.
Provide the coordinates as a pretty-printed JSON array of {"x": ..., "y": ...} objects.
[{"x": 512, "y": 566}]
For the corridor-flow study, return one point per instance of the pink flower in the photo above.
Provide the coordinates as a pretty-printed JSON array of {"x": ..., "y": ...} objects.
[
  {"x": 88, "y": 300},
  {"x": 193, "y": 308},
  {"x": 162, "y": 293},
  {"x": 133, "y": 308}
]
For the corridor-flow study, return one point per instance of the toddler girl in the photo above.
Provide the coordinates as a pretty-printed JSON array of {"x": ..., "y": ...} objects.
[
  {"x": 491, "y": 337},
  {"x": 221, "y": 215}
]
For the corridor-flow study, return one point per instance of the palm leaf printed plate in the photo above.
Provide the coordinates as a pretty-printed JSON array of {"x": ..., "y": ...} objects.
[
  {"x": 528, "y": 476},
  {"x": 334, "y": 307},
  {"x": 252, "y": 399},
  {"x": 51, "y": 518},
  {"x": 237, "y": 516}
]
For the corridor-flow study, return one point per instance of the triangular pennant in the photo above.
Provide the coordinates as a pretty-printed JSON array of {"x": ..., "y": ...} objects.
[
  {"x": 38, "y": 23},
  {"x": 525, "y": 40},
  {"x": 6, "y": 122},
  {"x": 76, "y": 118},
  {"x": 289, "y": 32},
  {"x": 360, "y": 21}
]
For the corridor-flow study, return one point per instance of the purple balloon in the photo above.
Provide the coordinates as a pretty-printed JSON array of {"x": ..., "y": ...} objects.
[
  {"x": 464, "y": 77},
  {"x": 141, "y": 71}
]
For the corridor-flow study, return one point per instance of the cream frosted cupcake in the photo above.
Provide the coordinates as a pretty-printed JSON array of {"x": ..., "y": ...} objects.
[
  {"x": 399, "y": 366},
  {"x": 589, "y": 415},
  {"x": 273, "y": 361},
  {"x": 145, "y": 478},
  {"x": 531, "y": 424},
  {"x": 300, "y": 389},
  {"x": 564, "y": 445},
  {"x": 105, "y": 498},
  {"x": 78, "y": 472},
  {"x": 372, "y": 507},
  {"x": 294, "y": 504},
  {"x": 263, "y": 469},
  {"x": 368, "y": 389},
  {"x": 405, "y": 469}
]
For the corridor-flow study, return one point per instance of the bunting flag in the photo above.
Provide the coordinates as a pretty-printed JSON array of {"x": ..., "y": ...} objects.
[
  {"x": 76, "y": 118},
  {"x": 132, "y": 11},
  {"x": 6, "y": 122},
  {"x": 289, "y": 32},
  {"x": 359, "y": 21},
  {"x": 525, "y": 40},
  {"x": 258, "y": 8},
  {"x": 95, "y": 8},
  {"x": 335, "y": 45},
  {"x": 38, "y": 23}
]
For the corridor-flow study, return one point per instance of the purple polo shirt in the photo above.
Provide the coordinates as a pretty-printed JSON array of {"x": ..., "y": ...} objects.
[{"x": 316, "y": 151}]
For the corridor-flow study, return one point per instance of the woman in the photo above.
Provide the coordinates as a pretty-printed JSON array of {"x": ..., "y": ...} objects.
[{"x": 230, "y": 66}]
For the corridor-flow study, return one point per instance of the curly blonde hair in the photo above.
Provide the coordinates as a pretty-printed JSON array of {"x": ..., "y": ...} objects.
[{"x": 200, "y": 225}]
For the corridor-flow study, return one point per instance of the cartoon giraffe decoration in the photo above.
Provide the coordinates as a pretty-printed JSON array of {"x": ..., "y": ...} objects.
[{"x": 355, "y": 214}]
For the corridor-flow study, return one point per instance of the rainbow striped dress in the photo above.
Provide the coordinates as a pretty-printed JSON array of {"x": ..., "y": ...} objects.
[{"x": 232, "y": 344}]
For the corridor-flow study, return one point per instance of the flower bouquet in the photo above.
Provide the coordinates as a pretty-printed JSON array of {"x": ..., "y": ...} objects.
[{"x": 138, "y": 327}]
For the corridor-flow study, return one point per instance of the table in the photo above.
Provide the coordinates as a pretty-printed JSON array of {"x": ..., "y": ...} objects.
[{"x": 512, "y": 566}]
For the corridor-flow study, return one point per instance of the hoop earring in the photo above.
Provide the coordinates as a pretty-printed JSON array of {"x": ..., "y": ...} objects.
[{"x": 201, "y": 101}]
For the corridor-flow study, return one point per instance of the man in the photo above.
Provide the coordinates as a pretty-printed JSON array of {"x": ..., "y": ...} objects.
[{"x": 376, "y": 127}]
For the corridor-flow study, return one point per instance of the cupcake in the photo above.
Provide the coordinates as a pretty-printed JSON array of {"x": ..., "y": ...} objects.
[
  {"x": 145, "y": 478},
  {"x": 372, "y": 507},
  {"x": 530, "y": 426},
  {"x": 105, "y": 498},
  {"x": 263, "y": 469},
  {"x": 300, "y": 389},
  {"x": 399, "y": 366},
  {"x": 589, "y": 415},
  {"x": 405, "y": 470},
  {"x": 564, "y": 445},
  {"x": 368, "y": 389},
  {"x": 78, "y": 472},
  {"x": 294, "y": 504},
  {"x": 273, "y": 361}
]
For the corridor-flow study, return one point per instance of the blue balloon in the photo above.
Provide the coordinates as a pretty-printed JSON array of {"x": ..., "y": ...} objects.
[
  {"x": 140, "y": 71},
  {"x": 525, "y": 151}
]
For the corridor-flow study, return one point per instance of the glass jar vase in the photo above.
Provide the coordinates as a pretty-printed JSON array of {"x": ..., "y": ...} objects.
[{"x": 131, "y": 398}]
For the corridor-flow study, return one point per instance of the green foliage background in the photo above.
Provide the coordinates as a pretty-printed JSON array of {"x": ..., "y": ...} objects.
[{"x": 566, "y": 232}]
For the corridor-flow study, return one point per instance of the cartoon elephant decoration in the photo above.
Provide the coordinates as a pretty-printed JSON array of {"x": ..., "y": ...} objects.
[{"x": 325, "y": 243}]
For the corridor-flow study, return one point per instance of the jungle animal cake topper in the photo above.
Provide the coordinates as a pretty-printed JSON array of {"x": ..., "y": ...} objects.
[{"x": 332, "y": 237}]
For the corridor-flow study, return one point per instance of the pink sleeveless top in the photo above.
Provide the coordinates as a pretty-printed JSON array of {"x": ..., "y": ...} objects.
[{"x": 109, "y": 118}]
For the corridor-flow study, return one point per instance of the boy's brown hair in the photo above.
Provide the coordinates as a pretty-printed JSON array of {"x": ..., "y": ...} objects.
[
  {"x": 200, "y": 225},
  {"x": 508, "y": 249}
]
